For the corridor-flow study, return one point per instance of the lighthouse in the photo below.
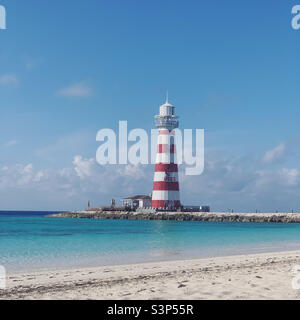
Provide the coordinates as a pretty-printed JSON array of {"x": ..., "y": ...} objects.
[{"x": 166, "y": 185}]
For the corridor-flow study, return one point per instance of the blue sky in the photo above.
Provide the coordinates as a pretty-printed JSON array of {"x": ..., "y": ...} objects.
[{"x": 70, "y": 68}]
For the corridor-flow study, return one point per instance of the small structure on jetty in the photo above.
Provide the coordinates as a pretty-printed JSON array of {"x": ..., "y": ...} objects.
[
  {"x": 142, "y": 203},
  {"x": 195, "y": 209},
  {"x": 139, "y": 201}
]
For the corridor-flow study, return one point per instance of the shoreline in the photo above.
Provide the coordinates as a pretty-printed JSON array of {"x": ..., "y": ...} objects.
[
  {"x": 187, "y": 257},
  {"x": 251, "y": 276},
  {"x": 183, "y": 216}
]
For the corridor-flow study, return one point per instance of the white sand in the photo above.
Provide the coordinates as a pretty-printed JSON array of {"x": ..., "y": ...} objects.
[{"x": 256, "y": 276}]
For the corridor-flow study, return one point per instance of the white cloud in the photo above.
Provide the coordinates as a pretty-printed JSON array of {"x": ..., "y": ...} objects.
[
  {"x": 9, "y": 79},
  {"x": 84, "y": 168},
  {"x": 274, "y": 155},
  {"x": 77, "y": 90},
  {"x": 83, "y": 180},
  {"x": 291, "y": 177},
  {"x": 10, "y": 143},
  {"x": 241, "y": 184},
  {"x": 31, "y": 63},
  {"x": 135, "y": 172},
  {"x": 17, "y": 176},
  {"x": 227, "y": 182}
]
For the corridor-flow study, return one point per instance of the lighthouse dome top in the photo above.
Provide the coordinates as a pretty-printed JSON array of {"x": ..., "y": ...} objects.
[
  {"x": 167, "y": 104},
  {"x": 167, "y": 109},
  {"x": 167, "y": 118}
]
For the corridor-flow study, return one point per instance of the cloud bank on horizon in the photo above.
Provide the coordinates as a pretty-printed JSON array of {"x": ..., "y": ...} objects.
[{"x": 226, "y": 184}]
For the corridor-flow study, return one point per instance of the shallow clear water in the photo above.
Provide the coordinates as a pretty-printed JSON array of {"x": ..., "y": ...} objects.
[{"x": 29, "y": 241}]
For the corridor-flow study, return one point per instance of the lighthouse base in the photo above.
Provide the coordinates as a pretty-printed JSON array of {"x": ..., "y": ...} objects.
[{"x": 166, "y": 204}]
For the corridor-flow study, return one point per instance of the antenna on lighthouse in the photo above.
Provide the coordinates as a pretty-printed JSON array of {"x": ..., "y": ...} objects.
[{"x": 167, "y": 100}]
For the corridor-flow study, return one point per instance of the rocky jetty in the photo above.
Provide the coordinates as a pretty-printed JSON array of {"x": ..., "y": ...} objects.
[{"x": 184, "y": 216}]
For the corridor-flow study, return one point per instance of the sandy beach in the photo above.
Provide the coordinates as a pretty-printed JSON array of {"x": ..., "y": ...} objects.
[{"x": 255, "y": 276}]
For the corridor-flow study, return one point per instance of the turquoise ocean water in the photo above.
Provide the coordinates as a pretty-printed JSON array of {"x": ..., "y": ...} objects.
[{"x": 29, "y": 241}]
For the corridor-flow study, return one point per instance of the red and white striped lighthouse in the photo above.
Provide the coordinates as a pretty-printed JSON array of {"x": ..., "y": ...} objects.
[{"x": 166, "y": 185}]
